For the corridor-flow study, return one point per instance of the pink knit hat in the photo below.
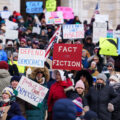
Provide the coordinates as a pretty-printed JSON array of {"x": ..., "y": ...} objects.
[{"x": 80, "y": 84}]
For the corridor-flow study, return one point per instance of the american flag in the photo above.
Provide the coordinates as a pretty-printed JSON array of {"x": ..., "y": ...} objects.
[
  {"x": 97, "y": 9},
  {"x": 53, "y": 39}
]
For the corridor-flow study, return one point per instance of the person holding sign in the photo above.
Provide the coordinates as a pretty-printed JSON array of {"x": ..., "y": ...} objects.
[{"x": 41, "y": 76}]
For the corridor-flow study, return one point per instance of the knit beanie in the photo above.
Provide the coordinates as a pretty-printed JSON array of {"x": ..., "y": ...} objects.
[
  {"x": 15, "y": 78},
  {"x": 102, "y": 76},
  {"x": 110, "y": 64},
  {"x": 80, "y": 84},
  {"x": 8, "y": 91},
  {"x": 114, "y": 77},
  {"x": 4, "y": 65},
  {"x": 64, "y": 109}
]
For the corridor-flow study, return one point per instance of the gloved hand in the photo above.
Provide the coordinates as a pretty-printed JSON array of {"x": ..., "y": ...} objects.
[
  {"x": 86, "y": 108},
  {"x": 110, "y": 107}
]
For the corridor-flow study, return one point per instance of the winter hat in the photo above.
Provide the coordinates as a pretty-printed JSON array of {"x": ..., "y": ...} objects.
[
  {"x": 17, "y": 117},
  {"x": 64, "y": 109},
  {"x": 4, "y": 65},
  {"x": 79, "y": 105},
  {"x": 23, "y": 40},
  {"x": 80, "y": 84},
  {"x": 15, "y": 54},
  {"x": 8, "y": 91},
  {"x": 90, "y": 115},
  {"x": 93, "y": 63},
  {"x": 63, "y": 77},
  {"x": 15, "y": 78},
  {"x": 110, "y": 64},
  {"x": 102, "y": 76},
  {"x": 114, "y": 77},
  {"x": 10, "y": 43}
]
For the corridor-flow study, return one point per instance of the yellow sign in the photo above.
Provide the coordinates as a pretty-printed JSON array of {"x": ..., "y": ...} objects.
[
  {"x": 51, "y": 5},
  {"x": 108, "y": 46}
]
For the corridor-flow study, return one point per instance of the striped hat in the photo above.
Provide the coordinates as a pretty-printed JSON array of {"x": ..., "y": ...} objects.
[{"x": 8, "y": 91}]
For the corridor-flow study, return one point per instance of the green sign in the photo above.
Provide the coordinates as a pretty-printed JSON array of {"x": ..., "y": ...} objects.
[{"x": 51, "y": 5}]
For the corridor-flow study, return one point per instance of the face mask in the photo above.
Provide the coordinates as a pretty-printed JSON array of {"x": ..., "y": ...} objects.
[
  {"x": 100, "y": 85},
  {"x": 112, "y": 83},
  {"x": 6, "y": 100}
]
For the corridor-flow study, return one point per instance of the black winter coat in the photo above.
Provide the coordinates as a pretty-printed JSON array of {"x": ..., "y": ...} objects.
[{"x": 98, "y": 99}]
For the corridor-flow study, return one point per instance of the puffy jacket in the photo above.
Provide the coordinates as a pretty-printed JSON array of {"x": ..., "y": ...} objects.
[
  {"x": 98, "y": 99},
  {"x": 3, "y": 56}
]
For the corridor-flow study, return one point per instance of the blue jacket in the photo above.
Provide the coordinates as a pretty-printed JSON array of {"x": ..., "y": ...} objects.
[{"x": 3, "y": 56}]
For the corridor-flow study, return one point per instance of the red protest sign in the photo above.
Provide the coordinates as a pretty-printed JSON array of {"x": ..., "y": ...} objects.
[{"x": 67, "y": 56}]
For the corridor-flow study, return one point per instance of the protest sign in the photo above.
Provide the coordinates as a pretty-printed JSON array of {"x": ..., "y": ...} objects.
[
  {"x": 119, "y": 46},
  {"x": 11, "y": 34},
  {"x": 67, "y": 56},
  {"x": 73, "y": 31},
  {"x": 51, "y": 5},
  {"x": 5, "y": 14},
  {"x": 11, "y": 25},
  {"x": 108, "y": 46},
  {"x": 110, "y": 34},
  {"x": 36, "y": 30},
  {"x": 54, "y": 17},
  {"x": 116, "y": 34},
  {"x": 67, "y": 12},
  {"x": 31, "y": 57},
  {"x": 101, "y": 18},
  {"x": 34, "y": 7},
  {"x": 99, "y": 30},
  {"x": 31, "y": 91}
]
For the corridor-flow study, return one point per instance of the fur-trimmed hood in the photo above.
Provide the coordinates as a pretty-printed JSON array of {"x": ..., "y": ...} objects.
[{"x": 44, "y": 70}]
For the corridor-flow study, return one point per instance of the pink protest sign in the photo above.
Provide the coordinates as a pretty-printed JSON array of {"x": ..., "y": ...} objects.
[{"x": 67, "y": 12}]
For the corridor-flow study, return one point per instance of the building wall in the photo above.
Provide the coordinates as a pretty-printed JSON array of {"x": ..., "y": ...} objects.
[{"x": 85, "y": 9}]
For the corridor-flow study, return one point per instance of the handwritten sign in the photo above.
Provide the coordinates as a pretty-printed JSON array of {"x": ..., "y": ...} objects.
[
  {"x": 11, "y": 34},
  {"x": 116, "y": 34},
  {"x": 51, "y": 5},
  {"x": 101, "y": 18},
  {"x": 54, "y": 18},
  {"x": 34, "y": 7},
  {"x": 73, "y": 31},
  {"x": 110, "y": 34},
  {"x": 5, "y": 14},
  {"x": 67, "y": 56},
  {"x": 99, "y": 30},
  {"x": 67, "y": 12},
  {"x": 31, "y": 57},
  {"x": 31, "y": 91}
]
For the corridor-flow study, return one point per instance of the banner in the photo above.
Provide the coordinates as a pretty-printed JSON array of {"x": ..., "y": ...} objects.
[
  {"x": 31, "y": 57},
  {"x": 11, "y": 34},
  {"x": 34, "y": 7},
  {"x": 110, "y": 34},
  {"x": 67, "y": 56},
  {"x": 108, "y": 46},
  {"x": 67, "y": 12},
  {"x": 5, "y": 14},
  {"x": 116, "y": 34},
  {"x": 101, "y": 18},
  {"x": 73, "y": 31},
  {"x": 99, "y": 30},
  {"x": 51, "y": 5},
  {"x": 54, "y": 17},
  {"x": 30, "y": 91}
]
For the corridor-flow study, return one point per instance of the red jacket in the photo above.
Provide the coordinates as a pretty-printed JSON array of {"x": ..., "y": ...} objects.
[{"x": 57, "y": 92}]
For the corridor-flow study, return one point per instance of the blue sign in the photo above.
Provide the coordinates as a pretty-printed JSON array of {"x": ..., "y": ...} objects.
[
  {"x": 34, "y": 7},
  {"x": 119, "y": 46}
]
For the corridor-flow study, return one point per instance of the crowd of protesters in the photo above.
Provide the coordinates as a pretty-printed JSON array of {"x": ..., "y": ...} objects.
[{"x": 89, "y": 94}]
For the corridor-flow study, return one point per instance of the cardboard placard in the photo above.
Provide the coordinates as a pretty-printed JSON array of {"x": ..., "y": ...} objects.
[
  {"x": 67, "y": 56},
  {"x": 31, "y": 91},
  {"x": 34, "y": 7},
  {"x": 101, "y": 18},
  {"x": 54, "y": 17},
  {"x": 51, "y": 5},
  {"x": 99, "y": 30},
  {"x": 67, "y": 12},
  {"x": 31, "y": 57},
  {"x": 73, "y": 31},
  {"x": 5, "y": 14}
]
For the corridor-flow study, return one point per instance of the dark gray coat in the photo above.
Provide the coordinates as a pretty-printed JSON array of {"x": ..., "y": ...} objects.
[{"x": 98, "y": 99}]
